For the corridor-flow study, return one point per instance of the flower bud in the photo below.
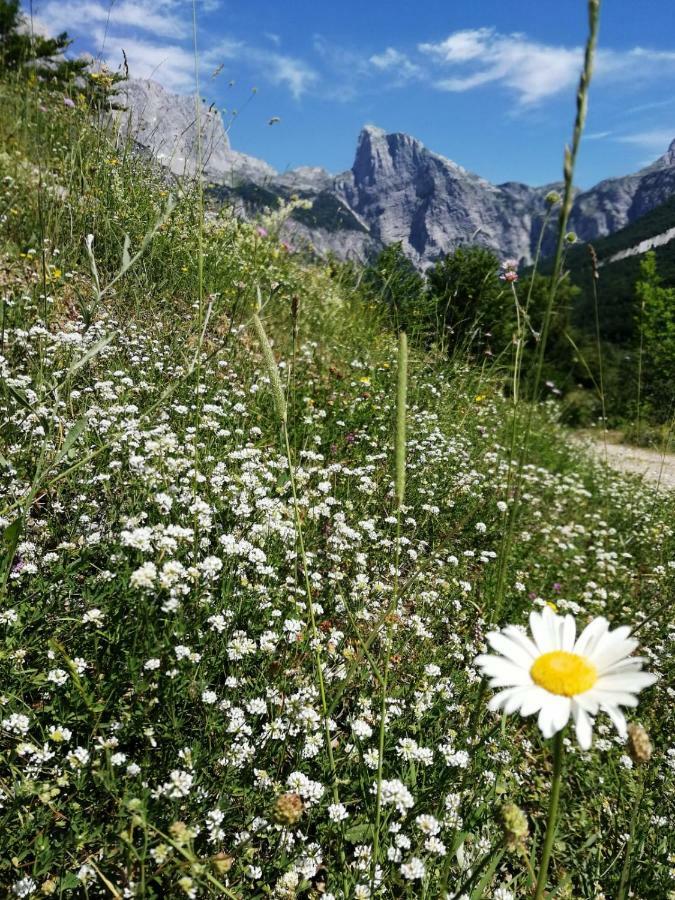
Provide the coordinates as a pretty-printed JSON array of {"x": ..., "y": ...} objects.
[
  {"x": 222, "y": 862},
  {"x": 180, "y": 832},
  {"x": 288, "y": 809},
  {"x": 571, "y": 237},
  {"x": 514, "y": 825},
  {"x": 552, "y": 198},
  {"x": 639, "y": 746}
]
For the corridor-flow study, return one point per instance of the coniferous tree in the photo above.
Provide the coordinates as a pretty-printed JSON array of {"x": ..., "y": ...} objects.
[{"x": 21, "y": 49}]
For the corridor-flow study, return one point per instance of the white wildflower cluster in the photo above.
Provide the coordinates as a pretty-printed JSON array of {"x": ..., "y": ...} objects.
[{"x": 162, "y": 595}]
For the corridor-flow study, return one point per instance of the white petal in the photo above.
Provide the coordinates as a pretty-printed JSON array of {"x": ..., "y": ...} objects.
[
  {"x": 544, "y": 630},
  {"x": 554, "y": 715},
  {"x": 502, "y": 671},
  {"x": 516, "y": 701},
  {"x": 561, "y": 712},
  {"x": 568, "y": 633},
  {"x": 545, "y": 721},
  {"x": 626, "y": 681},
  {"x": 614, "y": 698},
  {"x": 631, "y": 664},
  {"x": 500, "y": 700},
  {"x": 533, "y": 702},
  {"x": 508, "y": 648},
  {"x": 590, "y": 636},
  {"x": 617, "y": 718},
  {"x": 588, "y": 702},
  {"x": 611, "y": 650},
  {"x": 583, "y": 724},
  {"x": 523, "y": 640},
  {"x": 510, "y": 699}
]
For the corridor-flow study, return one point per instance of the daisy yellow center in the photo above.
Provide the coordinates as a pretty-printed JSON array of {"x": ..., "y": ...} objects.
[{"x": 564, "y": 673}]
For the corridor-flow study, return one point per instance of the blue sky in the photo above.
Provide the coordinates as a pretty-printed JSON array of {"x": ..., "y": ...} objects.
[{"x": 487, "y": 83}]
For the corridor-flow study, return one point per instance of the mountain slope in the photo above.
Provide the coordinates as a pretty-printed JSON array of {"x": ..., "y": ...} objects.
[
  {"x": 619, "y": 256},
  {"x": 396, "y": 190}
]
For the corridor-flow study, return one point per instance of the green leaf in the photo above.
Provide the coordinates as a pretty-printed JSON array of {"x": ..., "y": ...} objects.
[
  {"x": 19, "y": 396},
  {"x": 94, "y": 350},
  {"x": 10, "y": 541},
  {"x": 358, "y": 833},
  {"x": 479, "y": 892},
  {"x": 74, "y": 433}
]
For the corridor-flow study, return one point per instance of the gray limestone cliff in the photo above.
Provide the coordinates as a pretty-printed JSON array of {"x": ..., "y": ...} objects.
[{"x": 396, "y": 190}]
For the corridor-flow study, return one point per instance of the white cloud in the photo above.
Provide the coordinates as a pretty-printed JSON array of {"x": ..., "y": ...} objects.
[
  {"x": 156, "y": 36},
  {"x": 396, "y": 62},
  {"x": 161, "y": 18},
  {"x": 533, "y": 71},
  {"x": 656, "y": 140},
  {"x": 269, "y": 65},
  {"x": 170, "y": 64}
]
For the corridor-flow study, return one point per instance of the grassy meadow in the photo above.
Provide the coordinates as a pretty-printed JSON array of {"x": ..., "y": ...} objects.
[{"x": 242, "y": 603}]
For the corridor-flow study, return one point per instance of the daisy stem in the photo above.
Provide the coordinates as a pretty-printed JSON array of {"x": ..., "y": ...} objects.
[{"x": 551, "y": 822}]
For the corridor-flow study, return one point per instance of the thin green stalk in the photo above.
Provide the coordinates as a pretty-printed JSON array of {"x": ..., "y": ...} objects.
[
  {"x": 311, "y": 616},
  {"x": 282, "y": 412},
  {"x": 595, "y": 275},
  {"x": 401, "y": 393},
  {"x": 200, "y": 279},
  {"x": 625, "y": 871},
  {"x": 551, "y": 822},
  {"x": 507, "y": 534},
  {"x": 570, "y": 158},
  {"x": 638, "y": 423},
  {"x": 399, "y": 490}
]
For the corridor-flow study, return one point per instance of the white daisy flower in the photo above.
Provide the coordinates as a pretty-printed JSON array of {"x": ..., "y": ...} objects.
[{"x": 557, "y": 676}]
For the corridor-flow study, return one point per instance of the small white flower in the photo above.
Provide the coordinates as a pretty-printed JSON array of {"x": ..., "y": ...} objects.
[
  {"x": 361, "y": 729},
  {"x": 57, "y": 676},
  {"x": 145, "y": 576},
  {"x": 337, "y": 812},
  {"x": 428, "y": 824},
  {"x": 24, "y": 887},
  {"x": 413, "y": 870}
]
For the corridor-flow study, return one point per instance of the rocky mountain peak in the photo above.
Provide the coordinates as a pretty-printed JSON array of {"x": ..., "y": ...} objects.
[
  {"x": 382, "y": 156},
  {"x": 166, "y": 125},
  {"x": 669, "y": 156},
  {"x": 397, "y": 189}
]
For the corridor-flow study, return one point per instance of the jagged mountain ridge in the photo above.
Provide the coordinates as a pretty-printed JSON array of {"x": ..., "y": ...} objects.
[{"x": 396, "y": 190}]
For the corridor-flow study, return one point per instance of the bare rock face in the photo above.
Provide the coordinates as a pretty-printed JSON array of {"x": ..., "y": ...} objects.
[
  {"x": 407, "y": 193},
  {"x": 396, "y": 190},
  {"x": 616, "y": 202},
  {"x": 166, "y": 125}
]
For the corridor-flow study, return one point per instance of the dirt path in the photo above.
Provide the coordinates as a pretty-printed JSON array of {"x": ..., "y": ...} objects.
[{"x": 653, "y": 466}]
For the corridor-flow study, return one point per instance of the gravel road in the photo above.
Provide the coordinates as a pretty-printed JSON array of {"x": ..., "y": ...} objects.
[{"x": 655, "y": 467}]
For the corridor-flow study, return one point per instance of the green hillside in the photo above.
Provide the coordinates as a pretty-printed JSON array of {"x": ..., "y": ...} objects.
[
  {"x": 255, "y": 550},
  {"x": 616, "y": 284}
]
